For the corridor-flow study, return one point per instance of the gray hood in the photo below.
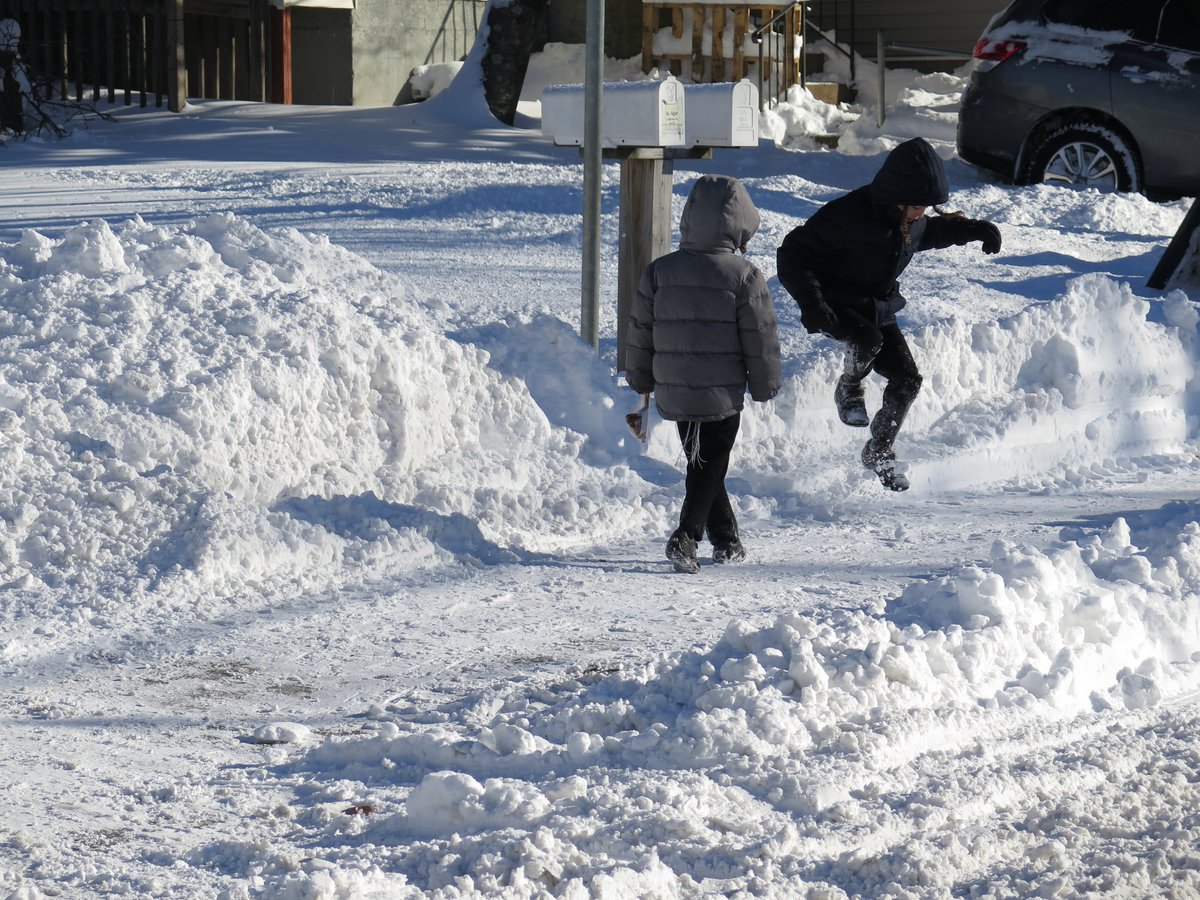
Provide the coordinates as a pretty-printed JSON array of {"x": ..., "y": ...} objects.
[{"x": 719, "y": 215}]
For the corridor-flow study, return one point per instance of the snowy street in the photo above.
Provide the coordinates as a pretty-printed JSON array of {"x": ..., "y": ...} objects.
[{"x": 329, "y": 570}]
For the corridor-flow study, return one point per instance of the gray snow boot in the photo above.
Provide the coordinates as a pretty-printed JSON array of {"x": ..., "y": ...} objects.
[
  {"x": 851, "y": 408},
  {"x": 881, "y": 460},
  {"x": 681, "y": 550}
]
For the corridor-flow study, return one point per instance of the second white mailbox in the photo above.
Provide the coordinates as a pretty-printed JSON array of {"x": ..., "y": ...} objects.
[{"x": 722, "y": 114}]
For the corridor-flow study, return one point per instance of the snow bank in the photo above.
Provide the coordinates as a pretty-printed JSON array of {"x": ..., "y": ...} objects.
[
  {"x": 792, "y": 755},
  {"x": 1089, "y": 383},
  {"x": 216, "y": 403}
]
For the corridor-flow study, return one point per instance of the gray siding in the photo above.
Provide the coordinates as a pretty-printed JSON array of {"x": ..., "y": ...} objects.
[{"x": 945, "y": 24}]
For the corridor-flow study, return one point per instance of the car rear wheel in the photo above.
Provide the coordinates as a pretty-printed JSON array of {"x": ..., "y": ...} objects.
[{"x": 1084, "y": 155}]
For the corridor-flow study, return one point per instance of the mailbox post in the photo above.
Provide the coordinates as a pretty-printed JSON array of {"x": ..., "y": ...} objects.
[
  {"x": 647, "y": 126},
  {"x": 646, "y": 220}
]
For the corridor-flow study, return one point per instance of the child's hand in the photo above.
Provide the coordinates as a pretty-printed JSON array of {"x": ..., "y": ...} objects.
[
  {"x": 987, "y": 233},
  {"x": 638, "y": 421},
  {"x": 816, "y": 314}
]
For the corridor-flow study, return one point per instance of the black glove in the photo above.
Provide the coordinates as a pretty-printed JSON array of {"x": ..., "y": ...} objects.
[
  {"x": 985, "y": 232},
  {"x": 816, "y": 314}
]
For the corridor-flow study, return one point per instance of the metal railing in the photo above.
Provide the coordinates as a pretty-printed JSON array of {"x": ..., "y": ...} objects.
[
  {"x": 847, "y": 52},
  {"x": 765, "y": 37},
  {"x": 456, "y": 33},
  {"x": 820, "y": 12}
]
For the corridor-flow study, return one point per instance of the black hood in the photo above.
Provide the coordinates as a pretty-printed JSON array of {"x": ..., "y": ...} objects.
[{"x": 912, "y": 175}]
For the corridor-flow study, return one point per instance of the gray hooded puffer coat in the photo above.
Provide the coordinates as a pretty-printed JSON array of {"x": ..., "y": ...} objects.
[{"x": 702, "y": 326}]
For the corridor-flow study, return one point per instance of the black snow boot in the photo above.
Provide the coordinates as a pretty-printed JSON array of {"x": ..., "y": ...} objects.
[
  {"x": 881, "y": 459},
  {"x": 732, "y": 552},
  {"x": 681, "y": 550},
  {"x": 722, "y": 531},
  {"x": 851, "y": 408}
]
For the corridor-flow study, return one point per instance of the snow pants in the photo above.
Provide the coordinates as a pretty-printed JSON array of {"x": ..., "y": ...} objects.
[
  {"x": 706, "y": 505},
  {"x": 881, "y": 349}
]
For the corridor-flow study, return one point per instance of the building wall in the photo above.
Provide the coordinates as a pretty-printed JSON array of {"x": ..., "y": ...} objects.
[
  {"x": 953, "y": 25},
  {"x": 392, "y": 38},
  {"x": 945, "y": 24},
  {"x": 364, "y": 57},
  {"x": 322, "y": 72}
]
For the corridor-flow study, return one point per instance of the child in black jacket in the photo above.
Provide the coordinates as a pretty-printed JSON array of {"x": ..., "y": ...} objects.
[{"x": 842, "y": 266}]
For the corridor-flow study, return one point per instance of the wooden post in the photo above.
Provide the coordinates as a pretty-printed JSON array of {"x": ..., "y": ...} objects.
[
  {"x": 741, "y": 19},
  {"x": 94, "y": 62},
  {"x": 649, "y": 26},
  {"x": 789, "y": 74},
  {"x": 158, "y": 55},
  {"x": 281, "y": 55},
  {"x": 698, "y": 19},
  {"x": 210, "y": 58},
  {"x": 257, "y": 60},
  {"x": 226, "y": 50},
  {"x": 138, "y": 24},
  {"x": 127, "y": 53},
  {"x": 645, "y": 228},
  {"x": 77, "y": 51},
  {"x": 110, "y": 69},
  {"x": 47, "y": 54},
  {"x": 718, "y": 44}
]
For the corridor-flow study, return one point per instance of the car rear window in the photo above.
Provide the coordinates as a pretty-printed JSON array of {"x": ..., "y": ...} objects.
[{"x": 1137, "y": 19}]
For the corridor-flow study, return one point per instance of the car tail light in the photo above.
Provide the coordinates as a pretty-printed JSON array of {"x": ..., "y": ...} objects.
[{"x": 993, "y": 51}]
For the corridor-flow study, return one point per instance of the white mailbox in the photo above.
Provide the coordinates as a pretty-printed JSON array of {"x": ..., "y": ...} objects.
[
  {"x": 634, "y": 114},
  {"x": 722, "y": 115}
]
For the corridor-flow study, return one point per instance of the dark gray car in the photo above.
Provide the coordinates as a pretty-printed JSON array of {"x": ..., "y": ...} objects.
[{"x": 1090, "y": 93}]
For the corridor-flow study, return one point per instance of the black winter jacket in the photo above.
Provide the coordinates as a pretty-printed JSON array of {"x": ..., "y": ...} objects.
[
  {"x": 702, "y": 326},
  {"x": 853, "y": 249}
]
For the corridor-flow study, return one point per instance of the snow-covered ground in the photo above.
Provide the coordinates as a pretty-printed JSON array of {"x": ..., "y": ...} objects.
[{"x": 328, "y": 568}]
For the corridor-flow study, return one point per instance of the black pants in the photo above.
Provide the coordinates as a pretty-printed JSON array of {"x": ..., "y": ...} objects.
[
  {"x": 881, "y": 349},
  {"x": 706, "y": 504}
]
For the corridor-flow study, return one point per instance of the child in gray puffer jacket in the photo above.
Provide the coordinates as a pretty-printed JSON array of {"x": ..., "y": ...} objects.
[{"x": 702, "y": 331}]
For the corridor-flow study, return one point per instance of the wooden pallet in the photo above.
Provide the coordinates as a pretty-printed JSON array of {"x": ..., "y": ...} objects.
[{"x": 657, "y": 16}]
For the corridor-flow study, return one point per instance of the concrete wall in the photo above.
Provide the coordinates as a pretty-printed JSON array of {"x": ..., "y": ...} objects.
[
  {"x": 392, "y": 38},
  {"x": 364, "y": 56}
]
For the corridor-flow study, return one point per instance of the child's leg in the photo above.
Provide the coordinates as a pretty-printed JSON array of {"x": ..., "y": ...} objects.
[
  {"x": 722, "y": 525},
  {"x": 895, "y": 363},
  {"x": 707, "y": 446},
  {"x": 862, "y": 340}
]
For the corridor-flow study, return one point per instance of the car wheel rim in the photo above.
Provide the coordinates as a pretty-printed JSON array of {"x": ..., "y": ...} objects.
[{"x": 1082, "y": 164}]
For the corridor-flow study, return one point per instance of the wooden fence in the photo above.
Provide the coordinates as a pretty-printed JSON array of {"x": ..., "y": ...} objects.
[{"x": 135, "y": 50}]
